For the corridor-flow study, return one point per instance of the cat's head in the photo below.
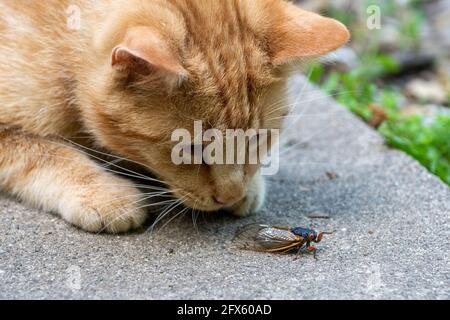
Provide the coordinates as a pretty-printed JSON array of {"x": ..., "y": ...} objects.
[{"x": 164, "y": 64}]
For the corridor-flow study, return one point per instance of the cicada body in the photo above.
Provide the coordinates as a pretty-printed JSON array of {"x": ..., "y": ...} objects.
[{"x": 265, "y": 238}]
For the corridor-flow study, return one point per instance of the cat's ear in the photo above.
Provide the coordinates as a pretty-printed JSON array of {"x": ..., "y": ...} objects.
[
  {"x": 303, "y": 35},
  {"x": 143, "y": 52}
]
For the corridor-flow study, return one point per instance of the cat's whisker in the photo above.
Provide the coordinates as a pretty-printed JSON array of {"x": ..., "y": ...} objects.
[
  {"x": 104, "y": 163},
  {"x": 128, "y": 185},
  {"x": 169, "y": 209},
  {"x": 288, "y": 97},
  {"x": 141, "y": 197},
  {"x": 73, "y": 160},
  {"x": 118, "y": 158},
  {"x": 173, "y": 218},
  {"x": 305, "y": 163},
  {"x": 292, "y": 147},
  {"x": 129, "y": 175},
  {"x": 106, "y": 169},
  {"x": 277, "y": 105},
  {"x": 152, "y": 195},
  {"x": 280, "y": 102},
  {"x": 295, "y": 116},
  {"x": 138, "y": 186},
  {"x": 194, "y": 217},
  {"x": 290, "y": 126},
  {"x": 297, "y": 100},
  {"x": 301, "y": 92},
  {"x": 129, "y": 212},
  {"x": 322, "y": 97},
  {"x": 142, "y": 176},
  {"x": 282, "y": 106}
]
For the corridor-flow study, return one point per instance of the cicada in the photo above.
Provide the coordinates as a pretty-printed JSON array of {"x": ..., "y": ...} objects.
[{"x": 266, "y": 238}]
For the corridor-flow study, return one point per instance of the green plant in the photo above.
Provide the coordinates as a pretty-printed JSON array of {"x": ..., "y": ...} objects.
[
  {"x": 427, "y": 141},
  {"x": 356, "y": 89}
]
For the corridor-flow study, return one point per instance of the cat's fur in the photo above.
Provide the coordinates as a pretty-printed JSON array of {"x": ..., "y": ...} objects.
[{"x": 135, "y": 71}]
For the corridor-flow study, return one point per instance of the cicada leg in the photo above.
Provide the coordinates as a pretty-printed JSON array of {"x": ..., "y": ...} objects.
[
  {"x": 286, "y": 251},
  {"x": 299, "y": 251},
  {"x": 313, "y": 250},
  {"x": 299, "y": 254},
  {"x": 319, "y": 237},
  {"x": 298, "y": 245}
]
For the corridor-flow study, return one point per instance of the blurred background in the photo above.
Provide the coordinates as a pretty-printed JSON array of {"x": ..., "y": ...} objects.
[{"x": 395, "y": 72}]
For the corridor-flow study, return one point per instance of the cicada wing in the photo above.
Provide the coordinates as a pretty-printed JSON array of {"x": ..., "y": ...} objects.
[
  {"x": 273, "y": 239},
  {"x": 264, "y": 238},
  {"x": 246, "y": 236}
]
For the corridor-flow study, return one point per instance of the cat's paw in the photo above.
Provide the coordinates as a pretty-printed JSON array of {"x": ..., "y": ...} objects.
[
  {"x": 106, "y": 206},
  {"x": 253, "y": 201}
]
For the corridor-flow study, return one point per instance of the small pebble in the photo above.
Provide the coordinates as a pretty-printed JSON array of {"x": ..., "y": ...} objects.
[
  {"x": 319, "y": 215},
  {"x": 332, "y": 175}
]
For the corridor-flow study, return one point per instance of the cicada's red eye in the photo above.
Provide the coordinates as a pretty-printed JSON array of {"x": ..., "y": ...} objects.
[{"x": 311, "y": 237}]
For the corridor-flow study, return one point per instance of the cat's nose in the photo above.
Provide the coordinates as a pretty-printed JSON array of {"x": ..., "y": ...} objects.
[{"x": 228, "y": 198}]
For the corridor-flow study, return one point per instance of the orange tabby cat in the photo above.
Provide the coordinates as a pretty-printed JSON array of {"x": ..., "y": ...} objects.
[{"x": 125, "y": 74}]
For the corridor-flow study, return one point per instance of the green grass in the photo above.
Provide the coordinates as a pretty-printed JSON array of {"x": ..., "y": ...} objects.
[
  {"x": 425, "y": 139},
  {"x": 357, "y": 89}
]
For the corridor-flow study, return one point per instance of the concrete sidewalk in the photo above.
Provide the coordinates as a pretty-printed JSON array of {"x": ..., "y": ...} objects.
[{"x": 391, "y": 217}]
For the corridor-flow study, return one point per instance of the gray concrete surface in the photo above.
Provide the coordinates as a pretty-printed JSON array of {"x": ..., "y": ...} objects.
[{"x": 391, "y": 220}]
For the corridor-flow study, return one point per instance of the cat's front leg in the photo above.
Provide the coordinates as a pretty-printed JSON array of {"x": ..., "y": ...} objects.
[
  {"x": 254, "y": 200},
  {"x": 56, "y": 177}
]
